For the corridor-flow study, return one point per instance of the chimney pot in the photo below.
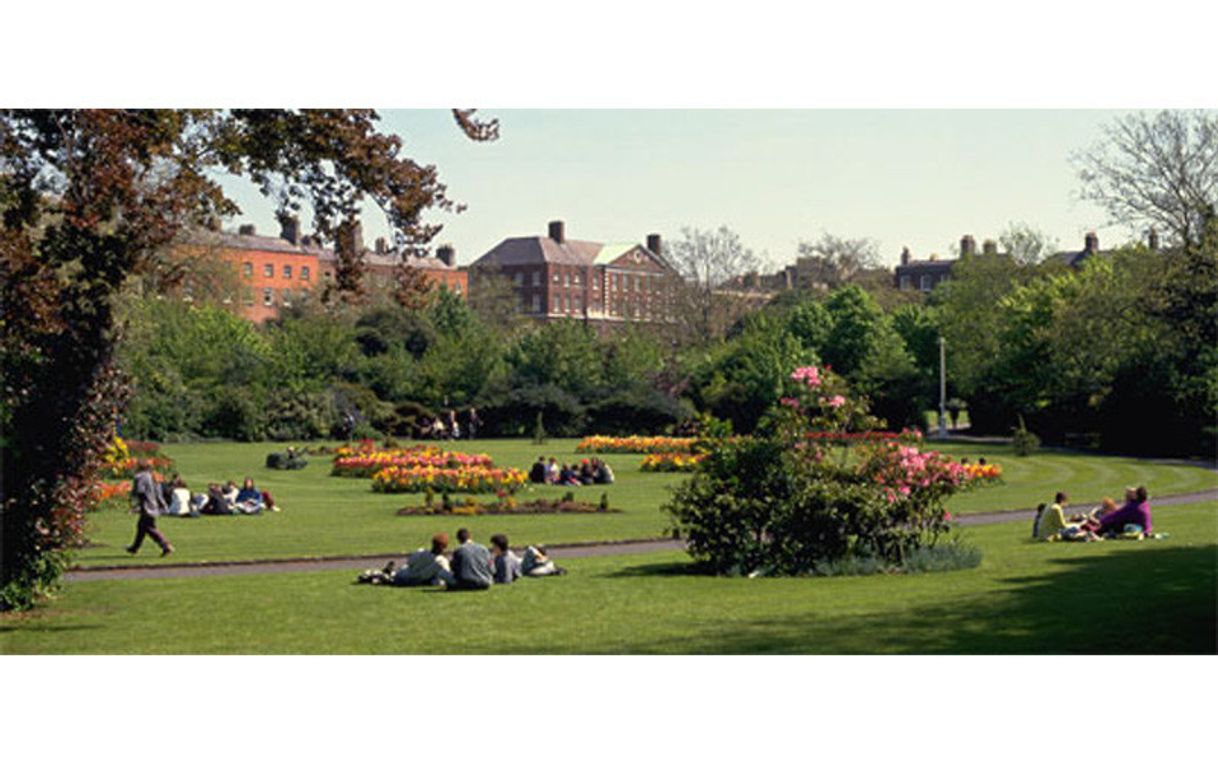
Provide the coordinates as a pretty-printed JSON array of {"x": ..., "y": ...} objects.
[
  {"x": 989, "y": 247},
  {"x": 1091, "y": 243},
  {"x": 381, "y": 246},
  {"x": 557, "y": 231},
  {"x": 1153, "y": 239},
  {"x": 447, "y": 254},
  {"x": 289, "y": 228},
  {"x": 247, "y": 230},
  {"x": 654, "y": 243},
  {"x": 350, "y": 236},
  {"x": 968, "y": 246},
  {"x": 905, "y": 255}
]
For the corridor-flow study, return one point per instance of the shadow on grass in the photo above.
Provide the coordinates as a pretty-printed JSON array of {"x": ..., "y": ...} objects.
[
  {"x": 1138, "y": 600},
  {"x": 647, "y": 570}
]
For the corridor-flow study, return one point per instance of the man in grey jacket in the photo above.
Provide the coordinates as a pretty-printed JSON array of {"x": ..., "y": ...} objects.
[
  {"x": 471, "y": 565},
  {"x": 147, "y": 500}
]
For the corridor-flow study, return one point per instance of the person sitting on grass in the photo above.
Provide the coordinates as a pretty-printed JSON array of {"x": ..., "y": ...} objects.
[
  {"x": 249, "y": 499},
  {"x": 567, "y": 476},
  {"x": 537, "y": 474},
  {"x": 1134, "y": 512},
  {"x": 1052, "y": 524},
  {"x": 230, "y": 494},
  {"x": 603, "y": 474},
  {"x": 426, "y": 567},
  {"x": 552, "y": 471},
  {"x": 585, "y": 473},
  {"x": 180, "y": 503},
  {"x": 471, "y": 565},
  {"x": 507, "y": 565},
  {"x": 536, "y": 563}
]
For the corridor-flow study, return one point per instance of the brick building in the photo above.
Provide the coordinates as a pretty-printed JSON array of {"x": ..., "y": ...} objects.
[
  {"x": 277, "y": 271},
  {"x": 558, "y": 278}
]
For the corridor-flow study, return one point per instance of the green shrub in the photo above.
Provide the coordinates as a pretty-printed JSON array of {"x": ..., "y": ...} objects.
[{"x": 1024, "y": 442}]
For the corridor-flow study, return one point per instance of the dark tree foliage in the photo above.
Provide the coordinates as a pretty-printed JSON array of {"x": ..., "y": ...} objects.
[{"x": 89, "y": 198}]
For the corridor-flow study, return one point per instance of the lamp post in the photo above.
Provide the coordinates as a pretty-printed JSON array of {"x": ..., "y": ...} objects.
[{"x": 942, "y": 388}]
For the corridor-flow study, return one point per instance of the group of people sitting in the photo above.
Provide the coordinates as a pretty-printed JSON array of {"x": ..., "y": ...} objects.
[
  {"x": 1105, "y": 522},
  {"x": 473, "y": 566},
  {"x": 586, "y": 473},
  {"x": 217, "y": 500}
]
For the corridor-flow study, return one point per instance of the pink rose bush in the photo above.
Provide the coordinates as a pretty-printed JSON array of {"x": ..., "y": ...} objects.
[{"x": 819, "y": 483}]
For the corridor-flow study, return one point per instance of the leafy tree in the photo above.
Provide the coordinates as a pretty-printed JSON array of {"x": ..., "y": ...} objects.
[
  {"x": 563, "y": 354},
  {"x": 89, "y": 198},
  {"x": 835, "y": 261},
  {"x": 1159, "y": 171},
  {"x": 856, "y": 320}
]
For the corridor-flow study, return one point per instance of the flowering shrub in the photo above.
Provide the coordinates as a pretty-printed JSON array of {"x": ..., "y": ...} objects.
[
  {"x": 363, "y": 465},
  {"x": 671, "y": 463},
  {"x": 112, "y": 494},
  {"x": 121, "y": 458},
  {"x": 817, "y": 484},
  {"x": 473, "y": 478},
  {"x": 635, "y": 445},
  {"x": 505, "y": 506}
]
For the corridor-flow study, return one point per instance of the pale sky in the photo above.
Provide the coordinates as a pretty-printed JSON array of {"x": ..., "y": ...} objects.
[{"x": 917, "y": 178}]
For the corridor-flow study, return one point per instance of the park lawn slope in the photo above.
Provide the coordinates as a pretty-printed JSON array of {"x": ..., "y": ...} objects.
[
  {"x": 1026, "y": 597},
  {"x": 327, "y": 516}
]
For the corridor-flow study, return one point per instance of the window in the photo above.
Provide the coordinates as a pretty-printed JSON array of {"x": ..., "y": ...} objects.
[
  {"x": 519, "y": 278},
  {"x": 247, "y": 269},
  {"x": 536, "y": 279},
  {"x": 286, "y": 297},
  {"x": 904, "y": 282},
  {"x": 927, "y": 283},
  {"x": 268, "y": 297},
  {"x": 566, "y": 279},
  {"x": 557, "y": 302},
  {"x": 557, "y": 278},
  {"x": 304, "y": 272},
  {"x": 457, "y": 287},
  {"x": 579, "y": 304},
  {"x": 287, "y": 272},
  {"x": 575, "y": 278},
  {"x": 596, "y": 282},
  {"x": 247, "y": 297},
  {"x": 268, "y": 270},
  {"x": 613, "y": 282},
  {"x": 536, "y": 302}
]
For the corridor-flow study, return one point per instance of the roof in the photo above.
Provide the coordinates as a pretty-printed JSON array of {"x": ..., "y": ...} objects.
[
  {"x": 538, "y": 249},
  {"x": 611, "y": 251},
  {"x": 926, "y": 265},
  {"x": 323, "y": 254}
]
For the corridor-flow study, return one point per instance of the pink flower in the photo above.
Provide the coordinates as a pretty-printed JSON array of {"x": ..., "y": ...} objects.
[
  {"x": 788, "y": 401},
  {"x": 833, "y": 401},
  {"x": 809, "y": 376},
  {"x": 947, "y": 516}
]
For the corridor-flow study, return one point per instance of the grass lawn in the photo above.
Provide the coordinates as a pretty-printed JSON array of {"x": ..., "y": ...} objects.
[
  {"x": 324, "y": 515},
  {"x": 1110, "y": 597}
]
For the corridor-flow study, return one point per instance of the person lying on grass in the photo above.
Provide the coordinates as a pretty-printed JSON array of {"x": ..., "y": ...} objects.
[
  {"x": 507, "y": 565},
  {"x": 536, "y": 563},
  {"x": 249, "y": 499}
]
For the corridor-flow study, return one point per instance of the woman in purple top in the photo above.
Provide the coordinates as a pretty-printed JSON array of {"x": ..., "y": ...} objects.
[{"x": 1135, "y": 511}]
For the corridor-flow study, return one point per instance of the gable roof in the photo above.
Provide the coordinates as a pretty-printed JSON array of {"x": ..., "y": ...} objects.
[{"x": 540, "y": 249}]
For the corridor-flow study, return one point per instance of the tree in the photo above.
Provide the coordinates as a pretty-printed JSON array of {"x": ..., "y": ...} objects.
[
  {"x": 834, "y": 260},
  {"x": 1159, "y": 171},
  {"x": 1026, "y": 244},
  {"x": 707, "y": 260},
  {"x": 494, "y": 299},
  {"x": 89, "y": 198}
]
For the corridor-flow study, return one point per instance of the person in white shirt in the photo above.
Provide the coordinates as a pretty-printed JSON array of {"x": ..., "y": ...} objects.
[{"x": 426, "y": 567}]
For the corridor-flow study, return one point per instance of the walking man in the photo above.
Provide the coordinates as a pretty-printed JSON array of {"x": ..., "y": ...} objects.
[{"x": 147, "y": 500}]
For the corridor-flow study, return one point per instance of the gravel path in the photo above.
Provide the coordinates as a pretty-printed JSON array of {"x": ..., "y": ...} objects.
[{"x": 627, "y": 547}]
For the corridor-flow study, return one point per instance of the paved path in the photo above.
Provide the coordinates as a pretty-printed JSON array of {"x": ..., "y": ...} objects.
[{"x": 558, "y": 551}]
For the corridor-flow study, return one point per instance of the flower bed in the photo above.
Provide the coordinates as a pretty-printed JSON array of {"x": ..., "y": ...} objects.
[
  {"x": 363, "y": 465},
  {"x": 475, "y": 478},
  {"x": 121, "y": 458},
  {"x": 988, "y": 473},
  {"x": 636, "y": 445},
  {"x": 508, "y": 507},
  {"x": 671, "y": 463}
]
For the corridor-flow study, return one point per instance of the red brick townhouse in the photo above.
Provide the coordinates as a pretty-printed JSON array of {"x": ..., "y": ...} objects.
[
  {"x": 559, "y": 278},
  {"x": 275, "y": 271}
]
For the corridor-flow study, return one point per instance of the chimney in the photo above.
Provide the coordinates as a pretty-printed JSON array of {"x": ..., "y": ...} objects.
[
  {"x": 934, "y": 257},
  {"x": 905, "y": 256},
  {"x": 213, "y": 224},
  {"x": 289, "y": 228},
  {"x": 381, "y": 247},
  {"x": 557, "y": 233},
  {"x": 1152, "y": 239},
  {"x": 447, "y": 254},
  {"x": 653, "y": 243},
  {"x": 350, "y": 236},
  {"x": 989, "y": 248},
  {"x": 1091, "y": 244},
  {"x": 968, "y": 246},
  {"x": 247, "y": 230}
]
